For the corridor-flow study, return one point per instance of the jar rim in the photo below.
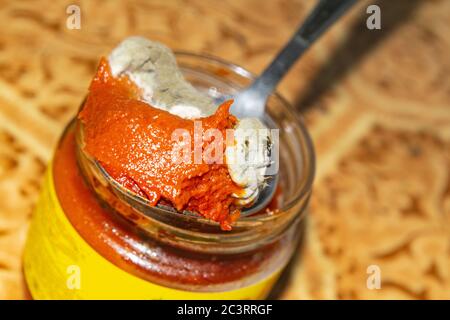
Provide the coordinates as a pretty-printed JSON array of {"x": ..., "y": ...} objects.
[{"x": 246, "y": 225}]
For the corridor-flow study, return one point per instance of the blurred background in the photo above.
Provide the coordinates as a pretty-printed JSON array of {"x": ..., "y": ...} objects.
[{"x": 377, "y": 104}]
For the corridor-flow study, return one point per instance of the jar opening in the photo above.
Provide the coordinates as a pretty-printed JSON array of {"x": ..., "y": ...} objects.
[{"x": 215, "y": 76}]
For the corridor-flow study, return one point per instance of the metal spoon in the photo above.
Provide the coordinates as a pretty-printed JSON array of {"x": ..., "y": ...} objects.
[{"x": 251, "y": 102}]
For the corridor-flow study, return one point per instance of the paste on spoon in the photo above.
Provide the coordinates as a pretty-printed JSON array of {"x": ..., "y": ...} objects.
[{"x": 133, "y": 142}]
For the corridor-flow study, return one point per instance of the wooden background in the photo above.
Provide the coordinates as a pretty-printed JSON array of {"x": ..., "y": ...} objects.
[{"x": 377, "y": 104}]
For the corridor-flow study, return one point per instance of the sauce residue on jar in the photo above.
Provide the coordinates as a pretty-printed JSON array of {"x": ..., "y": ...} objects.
[{"x": 133, "y": 142}]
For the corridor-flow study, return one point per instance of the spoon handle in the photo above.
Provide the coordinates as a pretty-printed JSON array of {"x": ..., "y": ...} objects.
[{"x": 324, "y": 14}]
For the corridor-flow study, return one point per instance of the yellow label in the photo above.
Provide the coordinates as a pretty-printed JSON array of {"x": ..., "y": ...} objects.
[{"x": 59, "y": 264}]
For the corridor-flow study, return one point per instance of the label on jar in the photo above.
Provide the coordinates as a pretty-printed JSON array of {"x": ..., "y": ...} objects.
[{"x": 60, "y": 264}]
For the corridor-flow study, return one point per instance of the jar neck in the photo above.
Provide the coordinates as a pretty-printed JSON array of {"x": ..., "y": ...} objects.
[{"x": 180, "y": 230}]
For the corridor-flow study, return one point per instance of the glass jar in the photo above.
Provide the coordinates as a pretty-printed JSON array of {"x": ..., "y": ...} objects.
[{"x": 92, "y": 238}]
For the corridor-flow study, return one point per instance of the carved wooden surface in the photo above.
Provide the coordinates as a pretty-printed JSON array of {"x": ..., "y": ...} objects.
[{"x": 377, "y": 104}]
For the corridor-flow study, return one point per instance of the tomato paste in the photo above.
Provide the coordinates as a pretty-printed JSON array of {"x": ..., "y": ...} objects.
[{"x": 133, "y": 141}]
